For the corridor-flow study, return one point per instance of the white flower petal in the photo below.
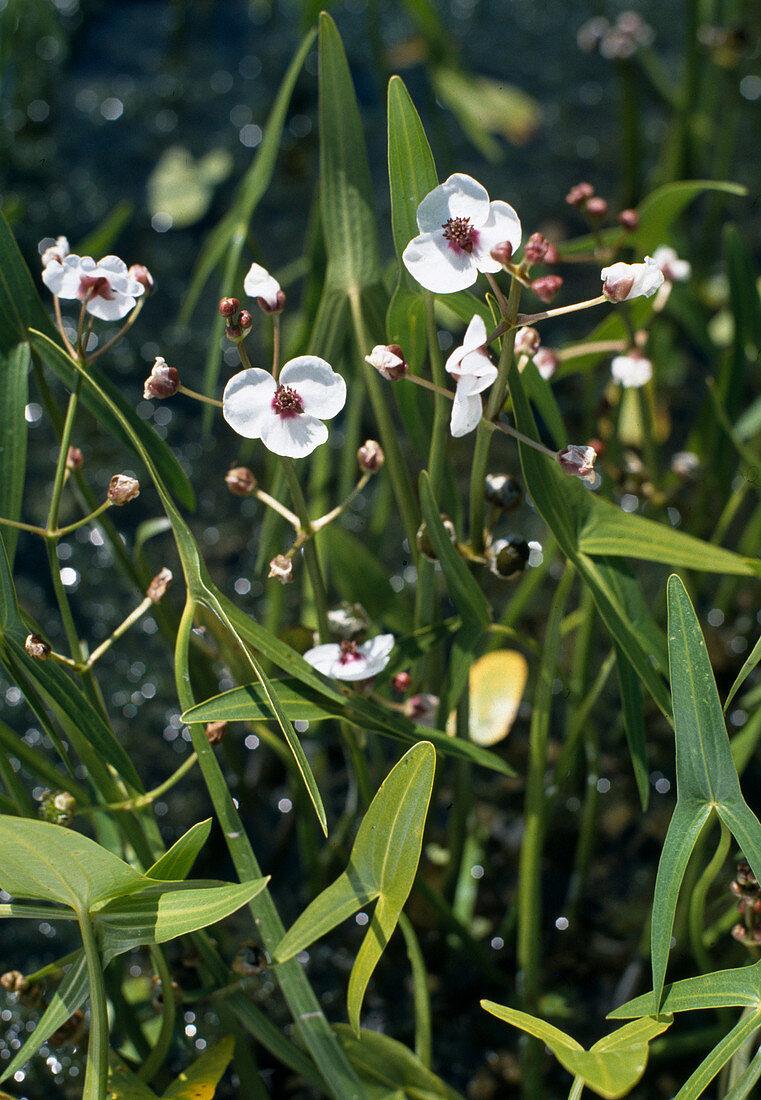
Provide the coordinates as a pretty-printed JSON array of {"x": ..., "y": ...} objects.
[
  {"x": 476, "y": 379},
  {"x": 292, "y": 436},
  {"x": 466, "y": 413},
  {"x": 631, "y": 371},
  {"x": 247, "y": 401},
  {"x": 377, "y": 650},
  {"x": 323, "y": 657},
  {"x": 63, "y": 278},
  {"x": 503, "y": 224},
  {"x": 438, "y": 267},
  {"x": 110, "y": 309},
  {"x": 460, "y": 196},
  {"x": 322, "y": 391},
  {"x": 258, "y": 283},
  {"x": 475, "y": 334}
]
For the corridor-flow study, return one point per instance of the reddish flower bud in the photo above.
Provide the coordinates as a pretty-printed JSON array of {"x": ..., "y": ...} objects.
[
  {"x": 597, "y": 207},
  {"x": 370, "y": 456},
  {"x": 281, "y": 569},
  {"x": 629, "y": 220},
  {"x": 158, "y": 586},
  {"x": 546, "y": 362},
  {"x": 389, "y": 361},
  {"x": 74, "y": 459},
  {"x": 577, "y": 461},
  {"x": 422, "y": 708},
  {"x": 552, "y": 255},
  {"x": 502, "y": 253},
  {"x": 246, "y": 321},
  {"x": 163, "y": 381},
  {"x": 233, "y": 332},
  {"x": 401, "y": 682},
  {"x": 37, "y": 647},
  {"x": 536, "y": 248},
  {"x": 547, "y": 287},
  {"x": 240, "y": 481},
  {"x": 527, "y": 341},
  {"x": 228, "y": 307},
  {"x": 215, "y": 732},
  {"x": 122, "y": 489},
  {"x": 143, "y": 276},
  {"x": 579, "y": 195},
  {"x": 266, "y": 305}
]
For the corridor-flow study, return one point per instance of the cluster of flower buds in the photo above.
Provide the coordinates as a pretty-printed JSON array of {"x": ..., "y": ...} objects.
[
  {"x": 746, "y": 889},
  {"x": 237, "y": 324},
  {"x": 162, "y": 382},
  {"x": 57, "y": 807},
  {"x": 615, "y": 41}
]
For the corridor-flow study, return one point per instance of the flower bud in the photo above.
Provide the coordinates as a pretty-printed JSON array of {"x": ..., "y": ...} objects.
[
  {"x": 503, "y": 491},
  {"x": 622, "y": 281},
  {"x": 233, "y": 332},
  {"x": 74, "y": 459},
  {"x": 597, "y": 207},
  {"x": 249, "y": 960},
  {"x": 215, "y": 732},
  {"x": 348, "y": 620},
  {"x": 578, "y": 461},
  {"x": 141, "y": 273},
  {"x": 37, "y": 647},
  {"x": 228, "y": 307},
  {"x": 502, "y": 253},
  {"x": 547, "y": 287},
  {"x": 546, "y": 362},
  {"x": 370, "y": 456},
  {"x": 240, "y": 481},
  {"x": 535, "y": 248},
  {"x": 57, "y": 807},
  {"x": 246, "y": 322},
  {"x": 158, "y": 586},
  {"x": 508, "y": 557},
  {"x": 14, "y": 981},
  {"x": 163, "y": 381},
  {"x": 389, "y": 361},
  {"x": 424, "y": 544},
  {"x": 122, "y": 489},
  {"x": 281, "y": 569},
  {"x": 552, "y": 255},
  {"x": 628, "y": 220},
  {"x": 267, "y": 306},
  {"x": 422, "y": 708},
  {"x": 259, "y": 284},
  {"x": 401, "y": 682},
  {"x": 527, "y": 341},
  {"x": 579, "y": 195}
]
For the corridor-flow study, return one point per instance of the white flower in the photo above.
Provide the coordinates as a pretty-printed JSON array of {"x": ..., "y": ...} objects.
[
  {"x": 286, "y": 415},
  {"x": 458, "y": 229},
  {"x": 621, "y": 281},
  {"x": 674, "y": 269},
  {"x": 349, "y": 661},
  {"x": 107, "y": 288},
  {"x": 53, "y": 249},
  {"x": 259, "y": 284},
  {"x": 474, "y": 372},
  {"x": 631, "y": 371}
]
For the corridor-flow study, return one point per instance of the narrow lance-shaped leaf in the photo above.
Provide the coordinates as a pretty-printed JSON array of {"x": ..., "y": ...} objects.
[
  {"x": 382, "y": 866},
  {"x": 177, "y": 862},
  {"x": 14, "y": 370}
]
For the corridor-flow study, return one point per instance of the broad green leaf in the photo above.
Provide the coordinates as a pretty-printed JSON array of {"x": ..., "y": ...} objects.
[
  {"x": 495, "y": 687},
  {"x": 68, "y": 997},
  {"x": 51, "y": 863},
  {"x": 610, "y": 1068},
  {"x": 382, "y": 865},
  {"x": 14, "y": 389},
  {"x": 199, "y": 1081},
  {"x": 177, "y": 862},
  {"x": 739, "y": 987},
  {"x": 380, "y": 1060},
  {"x": 411, "y": 167},
  {"x": 345, "y": 188},
  {"x": 160, "y": 913}
]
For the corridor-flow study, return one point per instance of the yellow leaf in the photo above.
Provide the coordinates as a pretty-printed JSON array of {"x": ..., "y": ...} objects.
[{"x": 497, "y": 681}]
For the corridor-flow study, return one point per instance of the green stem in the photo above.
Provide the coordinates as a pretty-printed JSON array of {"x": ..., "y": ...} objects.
[
  {"x": 696, "y": 917},
  {"x": 310, "y": 552},
  {"x": 143, "y": 800},
  {"x": 60, "y": 473},
  {"x": 200, "y": 397},
  {"x": 438, "y": 447},
  {"x": 157, "y": 1057},
  {"x": 96, "y": 1073}
]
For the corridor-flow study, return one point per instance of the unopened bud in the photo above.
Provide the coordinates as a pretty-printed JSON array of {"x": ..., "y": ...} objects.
[
  {"x": 215, "y": 732},
  {"x": 14, "y": 981},
  {"x": 143, "y": 276},
  {"x": 401, "y": 682},
  {"x": 267, "y": 305},
  {"x": 249, "y": 960},
  {"x": 122, "y": 489},
  {"x": 552, "y": 255},
  {"x": 508, "y": 557},
  {"x": 547, "y": 287},
  {"x": 233, "y": 332},
  {"x": 57, "y": 807},
  {"x": 246, "y": 322},
  {"x": 389, "y": 361},
  {"x": 370, "y": 456},
  {"x": 628, "y": 220},
  {"x": 163, "y": 381},
  {"x": 546, "y": 362},
  {"x": 37, "y": 647},
  {"x": 424, "y": 544},
  {"x": 503, "y": 491},
  {"x": 622, "y": 281},
  {"x": 502, "y": 253},
  {"x": 228, "y": 307},
  {"x": 527, "y": 341},
  {"x": 281, "y": 569},
  {"x": 74, "y": 459},
  {"x": 240, "y": 481},
  {"x": 158, "y": 586},
  {"x": 422, "y": 708},
  {"x": 597, "y": 207},
  {"x": 579, "y": 195},
  {"x": 578, "y": 461},
  {"x": 535, "y": 248}
]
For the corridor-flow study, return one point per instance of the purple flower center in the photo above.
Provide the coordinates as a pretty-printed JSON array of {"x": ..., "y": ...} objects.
[
  {"x": 287, "y": 403},
  {"x": 460, "y": 233},
  {"x": 94, "y": 286},
  {"x": 349, "y": 652}
]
